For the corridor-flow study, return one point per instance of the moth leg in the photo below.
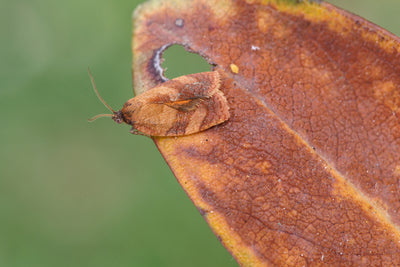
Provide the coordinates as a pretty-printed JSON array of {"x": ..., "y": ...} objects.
[{"x": 136, "y": 132}]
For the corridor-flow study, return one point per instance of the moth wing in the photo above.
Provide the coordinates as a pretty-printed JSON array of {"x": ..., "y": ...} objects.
[
  {"x": 193, "y": 86},
  {"x": 184, "y": 105},
  {"x": 185, "y": 93}
]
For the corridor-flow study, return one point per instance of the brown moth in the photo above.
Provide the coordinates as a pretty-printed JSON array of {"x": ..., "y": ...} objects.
[{"x": 181, "y": 106}]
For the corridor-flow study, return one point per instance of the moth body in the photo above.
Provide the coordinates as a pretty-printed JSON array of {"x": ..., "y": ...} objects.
[{"x": 181, "y": 106}]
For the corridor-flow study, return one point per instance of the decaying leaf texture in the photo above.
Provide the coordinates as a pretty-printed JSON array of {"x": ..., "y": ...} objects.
[{"x": 307, "y": 169}]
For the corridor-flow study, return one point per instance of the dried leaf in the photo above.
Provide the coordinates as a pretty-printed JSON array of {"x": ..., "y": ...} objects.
[{"x": 307, "y": 169}]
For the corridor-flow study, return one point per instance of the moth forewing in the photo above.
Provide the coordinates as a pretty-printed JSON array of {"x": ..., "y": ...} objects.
[{"x": 181, "y": 106}]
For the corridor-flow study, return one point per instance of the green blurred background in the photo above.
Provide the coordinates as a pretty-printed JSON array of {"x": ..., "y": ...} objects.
[{"x": 74, "y": 193}]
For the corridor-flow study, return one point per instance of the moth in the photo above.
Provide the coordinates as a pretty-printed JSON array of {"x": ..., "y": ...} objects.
[{"x": 181, "y": 106}]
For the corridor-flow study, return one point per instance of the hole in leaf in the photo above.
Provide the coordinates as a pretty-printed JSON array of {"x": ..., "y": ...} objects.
[{"x": 178, "y": 62}]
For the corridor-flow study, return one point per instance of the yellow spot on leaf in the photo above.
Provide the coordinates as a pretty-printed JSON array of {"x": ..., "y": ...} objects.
[{"x": 234, "y": 68}]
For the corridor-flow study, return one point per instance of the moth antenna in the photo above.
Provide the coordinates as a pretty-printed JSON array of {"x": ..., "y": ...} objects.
[
  {"x": 99, "y": 116},
  {"x": 97, "y": 92}
]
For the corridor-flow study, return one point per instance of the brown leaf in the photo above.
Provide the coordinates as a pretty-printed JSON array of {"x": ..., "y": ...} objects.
[{"x": 307, "y": 169}]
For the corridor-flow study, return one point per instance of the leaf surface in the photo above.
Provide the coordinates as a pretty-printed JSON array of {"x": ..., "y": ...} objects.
[{"x": 307, "y": 169}]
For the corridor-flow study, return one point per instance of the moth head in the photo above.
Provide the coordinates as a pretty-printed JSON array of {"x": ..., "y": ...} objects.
[{"x": 117, "y": 117}]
